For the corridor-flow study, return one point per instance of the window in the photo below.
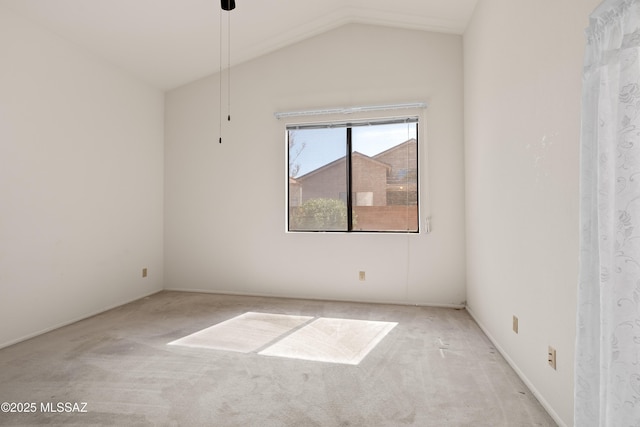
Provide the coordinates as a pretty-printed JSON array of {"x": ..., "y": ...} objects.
[{"x": 360, "y": 176}]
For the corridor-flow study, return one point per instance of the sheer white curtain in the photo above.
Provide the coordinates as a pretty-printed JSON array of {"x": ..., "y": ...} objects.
[{"x": 607, "y": 377}]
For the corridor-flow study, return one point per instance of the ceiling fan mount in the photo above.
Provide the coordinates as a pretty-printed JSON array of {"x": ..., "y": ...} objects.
[{"x": 228, "y": 4}]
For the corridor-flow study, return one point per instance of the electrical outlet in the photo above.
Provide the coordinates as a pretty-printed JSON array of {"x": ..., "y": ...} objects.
[
  {"x": 144, "y": 272},
  {"x": 361, "y": 276},
  {"x": 515, "y": 324},
  {"x": 551, "y": 357}
]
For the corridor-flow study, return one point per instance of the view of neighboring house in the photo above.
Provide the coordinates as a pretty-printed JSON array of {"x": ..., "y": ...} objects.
[{"x": 384, "y": 187}]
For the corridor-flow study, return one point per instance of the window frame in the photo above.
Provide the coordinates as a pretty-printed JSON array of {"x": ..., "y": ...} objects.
[{"x": 350, "y": 195}]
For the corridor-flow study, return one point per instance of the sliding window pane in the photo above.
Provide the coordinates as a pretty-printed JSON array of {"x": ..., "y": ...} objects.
[
  {"x": 317, "y": 179},
  {"x": 384, "y": 177}
]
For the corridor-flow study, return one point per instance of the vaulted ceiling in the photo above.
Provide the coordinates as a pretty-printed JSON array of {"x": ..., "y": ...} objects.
[{"x": 172, "y": 42}]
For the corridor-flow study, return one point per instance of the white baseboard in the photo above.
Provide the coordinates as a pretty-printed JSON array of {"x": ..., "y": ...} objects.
[
  {"x": 520, "y": 374},
  {"x": 289, "y": 296},
  {"x": 74, "y": 320}
]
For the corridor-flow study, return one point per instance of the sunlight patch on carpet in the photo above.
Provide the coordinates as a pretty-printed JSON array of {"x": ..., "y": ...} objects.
[
  {"x": 344, "y": 341},
  {"x": 244, "y": 333},
  {"x": 323, "y": 339}
]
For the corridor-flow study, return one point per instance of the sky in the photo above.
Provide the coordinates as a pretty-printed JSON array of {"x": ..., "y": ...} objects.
[{"x": 322, "y": 146}]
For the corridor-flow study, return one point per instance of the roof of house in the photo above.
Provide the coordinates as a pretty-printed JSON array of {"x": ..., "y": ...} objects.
[
  {"x": 374, "y": 158},
  {"x": 341, "y": 159},
  {"x": 395, "y": 147}
]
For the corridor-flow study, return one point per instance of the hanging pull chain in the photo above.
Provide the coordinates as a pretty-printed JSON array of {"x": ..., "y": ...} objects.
[
  {"x": 220, "y": 83},
  {"x": 228, "y": 66},
  {"x": 226, "y": 5}
]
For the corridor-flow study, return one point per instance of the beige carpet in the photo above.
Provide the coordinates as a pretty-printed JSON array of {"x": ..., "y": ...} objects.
[{"x": 120, "y": 365}]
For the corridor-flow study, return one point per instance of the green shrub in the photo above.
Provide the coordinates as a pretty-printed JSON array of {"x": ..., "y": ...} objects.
[{"x": 320, "y": 214}]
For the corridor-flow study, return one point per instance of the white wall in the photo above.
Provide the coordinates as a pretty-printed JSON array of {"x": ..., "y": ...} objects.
[
  {"x": 225, "y": 203},
  {"x": 81, "y": 166},
  {"x": 523, "y": 68}
]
